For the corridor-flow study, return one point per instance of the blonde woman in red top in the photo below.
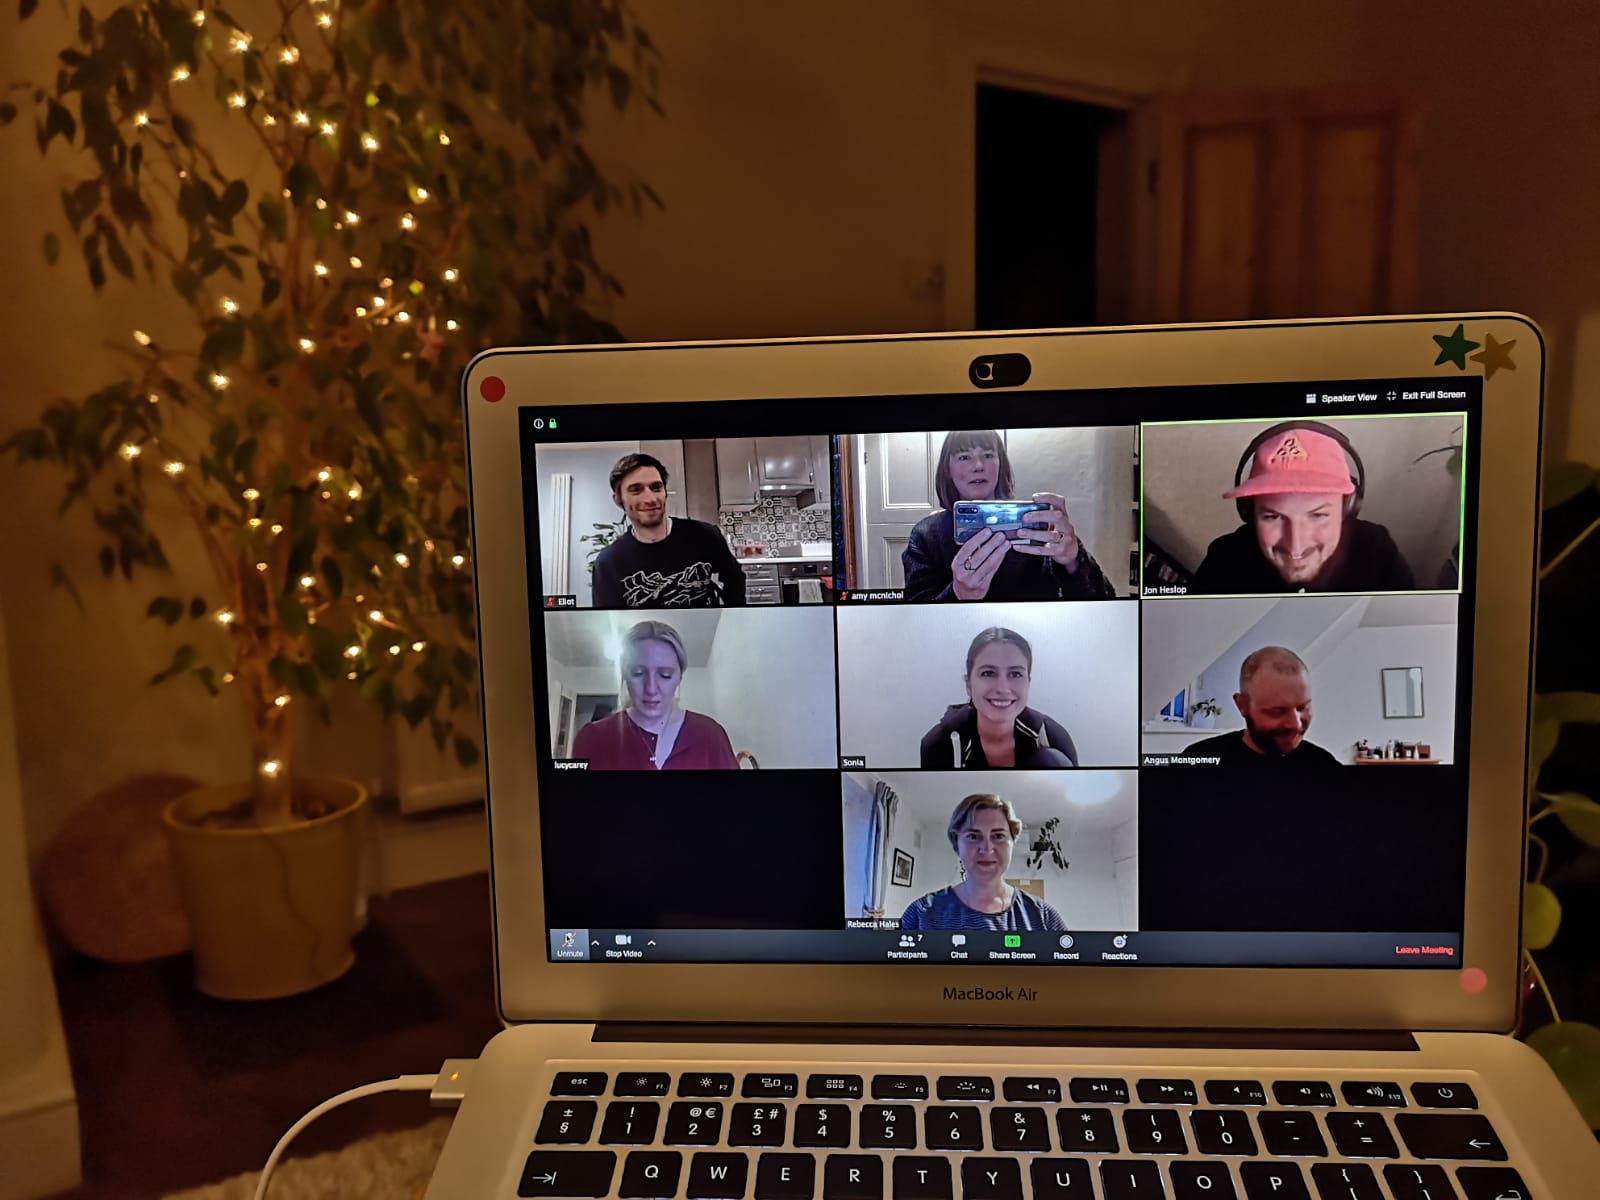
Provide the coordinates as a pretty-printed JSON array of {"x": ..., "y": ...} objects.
[{"x": 653, "y": 732}]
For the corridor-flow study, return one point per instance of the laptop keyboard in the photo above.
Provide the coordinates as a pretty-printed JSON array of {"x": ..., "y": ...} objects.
[{"x": 717, "y": 1135}]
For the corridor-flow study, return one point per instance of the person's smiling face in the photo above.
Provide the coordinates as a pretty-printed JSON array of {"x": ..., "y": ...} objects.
[
  {"x": 975, "y": 473},
  {"x": 1298, "y": 534},
  {"x": 984, "y": 846},
  {"x": 643, "y": 497},
  {"x": 998, "y": 683}
]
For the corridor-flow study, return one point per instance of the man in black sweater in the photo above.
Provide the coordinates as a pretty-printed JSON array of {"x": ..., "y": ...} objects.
[
  {"x": 1274, "y": 698},
  {"x": 662, "y": 561}
]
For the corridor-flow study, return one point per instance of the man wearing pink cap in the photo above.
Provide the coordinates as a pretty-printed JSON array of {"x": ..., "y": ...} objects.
[{"x": 1301, "y": 532}]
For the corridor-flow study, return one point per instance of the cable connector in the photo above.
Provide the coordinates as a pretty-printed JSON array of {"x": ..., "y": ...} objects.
[{"x": 450, "y": 1089}]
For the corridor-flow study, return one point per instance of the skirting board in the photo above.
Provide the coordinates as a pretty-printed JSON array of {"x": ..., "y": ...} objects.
[{"x": 39, "y": 1149}]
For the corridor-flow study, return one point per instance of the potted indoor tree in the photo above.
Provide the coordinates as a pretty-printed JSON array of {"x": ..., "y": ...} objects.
[{"x": 340, "y": 203}]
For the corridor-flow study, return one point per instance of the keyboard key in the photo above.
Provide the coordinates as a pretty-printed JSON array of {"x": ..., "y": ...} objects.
[
  {"x": 1492, "y": 1183},
  {"x": 966, "y": 1087},
  {"x": 1273, "y": 1181},
  {"x": 1166, "y": 1091},
  {"x": 1443, "y": 1095},
  {"x": 1292, "y": 1133},
  {"x": 917, "y": 1178},
  {"x": 899, "y": 1087},
  {"x": 568, "y": 1121},
  {"x": 693, "y": 1083},
  {"x": 651, "y": 1175},
  {"x": 1087, "y": 1130},
  {"x": 1019, "y": 1129},
  {"x": 770, "y": 1087},
  {"x": 888, "y": 1127},
  {"x": 758, "y": 1125},
  {"x": 1346, "y": 1181},
  {"x": 786, "y": 1177},
  {"x": 1201, "y": 1181},
  {"x": 1154, "y": 1131},
  {"x": 718, "y": 1176},
  {"x": 1031, "y": 1088},
  {"x": 1062, "y": 1179},
  {"x": 1222, "y": 1131},
  {"x": 1367, "y": 1093},
  {"x": 1235, "y": 1091},
  {"x": 822, "y": 1125},
  {"x": 1450, "y": 1135},
  {"x": 1361, "y": 1135},
  {"x": 649, "y": 1083},
  {"x": 852, "y": 1177},
  {"x": 953, "y": 1128},
  {"x": 1098, "y": 1091},
  {"x": 1130, "y": 1180},
  {"x": 579, "y": 1083},
  {"x": 991, "y": 1179},
  {"x": 833, "y": 1087},
  {"x": 567, "y": 1173},
  {"x": 1426, "y": 1182},
  {"x": 1303, "y": 1093},
  {"x": 690, "y": 1123},
  {"x": 630, "y": 1123}
]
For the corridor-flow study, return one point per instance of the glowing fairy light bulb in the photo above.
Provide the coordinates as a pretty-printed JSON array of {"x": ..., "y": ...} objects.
[
  {"x": 351, "y": 218},
  {"x": 361, "y": 310},
  {"x": 324, "y": 475},
  {"x": 199, "y": 17},
  {"x": 355, "y": 262},
  {"x": 328, "y": 128},
  {"x": 353, "y": 650},
  {"x": 239, "y": 42},
  {"x": 444, "y": 138},
  {"x": 375, "y": 616},
  {"x": 325, "y": 20},
  {"x": 377, "y": 302},
  {"x": 419, "y": 647},
  {"x": 408, "y": 222},
  {"x": 237, "y": 100},
  {"x": 179, "y": 74},
  {"x": 272, "y": 768},
  {"x": 423, "y": 194},
  {"x": 302, "y": 118},
  {"x": 386, "y": 282},
  {"x": 308, "y": 581},
  {"x": 225, "y": 616},
  {"x": 251, "y": 494},
  {"x": 143, "y": 338},
  {"x": 141, "y": 119},
  {"x": 276, "y": 530},
  {"x": 355, "y": 491},
  {"x": 254, "y": 522},
  {"x": 288, "y": 56},
  {"x": 261, "y": 566},
  {"x": 268, "y": 120},
  {"x": 130, "y": 450},
  {"x": 229, "y": 305},
  {"x": 281, "y": 700},
  {"x": 457, "y": 560},
  {"x": 451, "y": 325},
  {"x": 395, "y": 650},
  {"x": 220, "y": 381},
  {"x": 402, "y": 316},
  {"x": 307, "y": 345},
  {"x": 368, "y": 142},
  {"x": 174, "y": 468},
  {"x": 320, "y": 269},
  {"x": 451, "y": 275},
  {"x": 403, "y": 560}
]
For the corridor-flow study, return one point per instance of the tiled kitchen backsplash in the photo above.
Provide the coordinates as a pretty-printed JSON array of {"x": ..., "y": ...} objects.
[{"x": 777, "y": 522}]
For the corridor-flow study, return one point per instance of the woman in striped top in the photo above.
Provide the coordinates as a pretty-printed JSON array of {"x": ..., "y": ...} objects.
[{"x": 983, "y": 829}]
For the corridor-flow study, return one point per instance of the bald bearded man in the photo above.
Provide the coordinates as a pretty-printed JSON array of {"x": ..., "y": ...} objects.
[{"x": 1274, "y": 698}]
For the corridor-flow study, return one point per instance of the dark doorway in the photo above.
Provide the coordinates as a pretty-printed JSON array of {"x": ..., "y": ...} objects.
[{"x": 1038, "y": 189}]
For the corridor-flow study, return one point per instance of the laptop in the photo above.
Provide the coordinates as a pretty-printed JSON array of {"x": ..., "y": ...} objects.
[{"x": 1047, "y": 765}]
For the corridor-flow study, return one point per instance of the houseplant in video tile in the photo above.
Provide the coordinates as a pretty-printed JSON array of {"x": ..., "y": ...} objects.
[{"x": 330, "y": 208}]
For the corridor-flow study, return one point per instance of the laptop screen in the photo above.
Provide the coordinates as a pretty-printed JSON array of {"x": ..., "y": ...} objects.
[{"x": 1160, "y": 676}]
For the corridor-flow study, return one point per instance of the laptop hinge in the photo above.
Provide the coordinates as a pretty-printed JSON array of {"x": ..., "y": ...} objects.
[{"x": 976, "y": 1035}]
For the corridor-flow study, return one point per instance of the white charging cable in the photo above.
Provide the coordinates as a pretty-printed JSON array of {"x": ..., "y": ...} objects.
[{"x": 446, "y": 1090}]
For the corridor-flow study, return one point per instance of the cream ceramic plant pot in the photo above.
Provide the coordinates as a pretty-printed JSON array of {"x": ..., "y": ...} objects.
[{"x": 271, "y": 911}]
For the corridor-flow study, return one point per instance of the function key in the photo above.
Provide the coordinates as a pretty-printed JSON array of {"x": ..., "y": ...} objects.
[
  {"x": 899, "y": 1087},
  {"x": 1035, "y": 1088},
  {"x": 695, "y": 1083},
  {"x": 1235, "y": 1091},
  {"x": 566, "y": 1121},
  {"x": 1449, "y": 1135},
  {"x": 647, "y": 1083},
  {"x": 1367, "y": 1093},
  {"x": 771, "y": 1087},
  {"x": 1301, "y": 1093},
  {"x": 1166, "y": 1091},
  {"x": 1443, "y": 1095},
  {"x": 1099, "y": 1091},
  {"x": 830, "y": 1087},
  {"x": 966, "y": 1087},
  {"x": 579, "y": 1083}
]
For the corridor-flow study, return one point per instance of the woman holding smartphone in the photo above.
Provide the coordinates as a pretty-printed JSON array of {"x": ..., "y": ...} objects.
[{"x": 1042, "y": 561}]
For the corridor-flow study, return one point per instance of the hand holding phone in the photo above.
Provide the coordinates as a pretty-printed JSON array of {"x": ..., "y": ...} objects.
[{"x": 976, "y": 561}]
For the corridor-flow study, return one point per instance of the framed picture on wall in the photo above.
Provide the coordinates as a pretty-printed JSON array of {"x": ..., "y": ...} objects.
[{"x": 903, "y": 863}]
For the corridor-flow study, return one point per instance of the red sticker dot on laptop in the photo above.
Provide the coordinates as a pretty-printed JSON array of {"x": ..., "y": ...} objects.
[
  {"x": 492, "y": 389},
  {"x": 1474, "y": 980}
]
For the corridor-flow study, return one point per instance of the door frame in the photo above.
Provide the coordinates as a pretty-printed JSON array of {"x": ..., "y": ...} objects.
[{"x": 1045, "y": 59}]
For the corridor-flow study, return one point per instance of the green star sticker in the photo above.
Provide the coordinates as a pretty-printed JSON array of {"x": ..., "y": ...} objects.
[{"x": 1453, "y": 349}]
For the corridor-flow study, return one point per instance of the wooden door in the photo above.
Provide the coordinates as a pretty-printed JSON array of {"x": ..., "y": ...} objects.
[{"x": 1292, "y": 204}]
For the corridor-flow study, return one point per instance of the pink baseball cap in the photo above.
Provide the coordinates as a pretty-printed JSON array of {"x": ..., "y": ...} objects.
[{"x": 1297, "y": 461}]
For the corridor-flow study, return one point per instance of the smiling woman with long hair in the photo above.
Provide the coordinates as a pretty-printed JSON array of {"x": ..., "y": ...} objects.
[
  {"x": 983, "y": 831},
  {"x": 995, "y": 727},
  {"x": 653, "y": 732},
  {"x": 1045, "y": 561}
]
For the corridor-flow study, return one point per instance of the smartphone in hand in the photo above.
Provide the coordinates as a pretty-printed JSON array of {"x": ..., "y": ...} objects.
[{"x": 1004, "y": 516}]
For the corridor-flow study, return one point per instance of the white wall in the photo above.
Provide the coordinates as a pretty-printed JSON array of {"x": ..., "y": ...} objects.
[
  {"x": 1348, "y": 699},
  {"x": 1188, "y": 467},
  {"x": 901, "y": 666},
  {"x": 1092, "y": 470},
  {"x": 590, "y": 468},
  {"x": 772, "y": 685}
]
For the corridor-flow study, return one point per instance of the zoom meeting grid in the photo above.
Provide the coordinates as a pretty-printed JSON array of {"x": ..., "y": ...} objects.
[{"x": 1153, "y": 676}]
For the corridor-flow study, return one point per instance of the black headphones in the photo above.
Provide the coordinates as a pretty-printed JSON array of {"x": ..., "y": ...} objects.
[{"x": 1352, "y": 502}]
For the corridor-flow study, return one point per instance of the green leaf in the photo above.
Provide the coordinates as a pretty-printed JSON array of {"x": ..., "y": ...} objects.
[
  {"x": 183, "y": 658},
  {"x": 1541, "y": 916},
  {"x": 52, "y": 248},
  {"x": 1566, "y": 481},
  {"x": 167, "y": 608},
  {"x": 108, "y": 561},
  {"x": 303, "y": 184},
  {"x": 274, "y": 218},
  {"x": 197, "y": 608},
  {"x": 1572, "y": 1049},
  {"x": 1579, "y": 814},
  {"x": 59, "y": 578},
  {"x": 232, "y": 200},
  {"x": 224, "y": 344},
  {"x": 25, "y": 9},
  {"x": 332, "y": 577},
  {"x": 466, "y": 750}
]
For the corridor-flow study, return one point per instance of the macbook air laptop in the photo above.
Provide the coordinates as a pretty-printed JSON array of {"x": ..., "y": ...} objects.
[{"x": 1056, "y": 765}]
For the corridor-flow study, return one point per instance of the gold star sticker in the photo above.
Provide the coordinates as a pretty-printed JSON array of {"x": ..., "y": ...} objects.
[{"x": 1495, "y": 355}]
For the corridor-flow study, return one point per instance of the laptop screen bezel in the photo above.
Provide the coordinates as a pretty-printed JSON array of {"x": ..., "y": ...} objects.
[{"x": 1481, "y": 994}]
